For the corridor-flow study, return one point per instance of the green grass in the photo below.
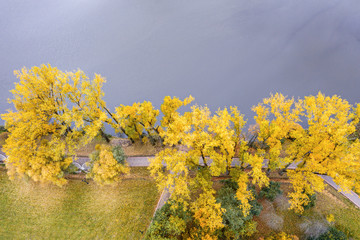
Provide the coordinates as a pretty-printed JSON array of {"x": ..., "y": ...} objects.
[
  {"x": 347, "y": 215},
  {"x": 77, "y": 210}
]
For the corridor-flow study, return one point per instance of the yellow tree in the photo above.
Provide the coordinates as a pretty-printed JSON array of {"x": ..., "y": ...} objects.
[
  {"x": 107, "y": 165},
  {"x": 137, "y": 121},
  {"x": 55, "y": 113},
  {"x": 211, "y": 142},
  {"x": 169, "y": 109},
  {"x": 323, "y": 148}
]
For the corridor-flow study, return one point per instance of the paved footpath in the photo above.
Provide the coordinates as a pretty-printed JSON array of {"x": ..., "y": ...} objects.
[
  {"x": 139, "y": 161},
  {"x": 132, "y": 161},
  {"x": 145, "y": 161},
  {"x": 2, "y": 155},
  {"x": 353, "y": 197}
]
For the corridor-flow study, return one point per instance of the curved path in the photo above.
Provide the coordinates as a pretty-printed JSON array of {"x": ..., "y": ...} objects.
[
  {"x": 2, "y": 156},
  {"x": 352, "y": 196}
]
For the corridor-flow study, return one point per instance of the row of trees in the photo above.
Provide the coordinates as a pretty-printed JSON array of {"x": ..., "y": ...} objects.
[
  {"x": 213, "y": 140},
  {"x": 57, "y": 112}
]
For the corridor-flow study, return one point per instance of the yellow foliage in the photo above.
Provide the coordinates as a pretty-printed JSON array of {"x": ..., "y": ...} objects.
[
  {"x": 258, "y": 175},
  {"x": 134, "y": 120},
  {"x": 55, "y": 113},
  {"x": 105, "y": 169},
  {"x": 211, "y": 140},
  {"x": 323, "y": 148},
  {"x": 243, "y": 194},
  {"x": 206, "y": 136},
  {"x": 208, "y": 213},
  {"x": 281, "y": 236},
  {"x": 169, "y": 108},
  {"x": 330, "y": 218}
]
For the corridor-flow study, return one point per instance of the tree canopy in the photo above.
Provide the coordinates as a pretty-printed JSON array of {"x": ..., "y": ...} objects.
[
  {"x": 211, "y": 142},
  {"x": 321, "y": 148},
  {"x": 55, "y": 113},
  {"x": 137, "y": 121}
]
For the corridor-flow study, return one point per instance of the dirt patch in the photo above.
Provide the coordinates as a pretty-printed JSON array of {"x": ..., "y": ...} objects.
[
  {"x": 269, "y": 216},
  {"x": 282, "y": 203},
  {"x": 333, "y": 198},
  {"x": 217, "y": 185},
  {"x": 124, "y": 142},
  {"x": 78, "y": 176}
]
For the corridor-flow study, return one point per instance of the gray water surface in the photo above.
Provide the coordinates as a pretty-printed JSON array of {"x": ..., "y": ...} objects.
[{"x": 223, "y": 52}]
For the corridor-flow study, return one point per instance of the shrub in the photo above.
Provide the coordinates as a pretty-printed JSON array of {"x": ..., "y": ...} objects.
[
  {"x": 313, "y": 228},
  {"x": 169, "y": 222},
  {"x": 345, "y": 230},
  {"x": 71, "y": 169},
  {"x": 119, "y": 154},
  {"x": 271, "y": 192},
  {"x": 331, "y": 234},
  {"x": 281, "y": 236},
  {"x": 172, "y": 221},
  {"x": 311, "y": 203},
  {"x": 3, "y": 129},
  {"x": 236, "y": 224}
]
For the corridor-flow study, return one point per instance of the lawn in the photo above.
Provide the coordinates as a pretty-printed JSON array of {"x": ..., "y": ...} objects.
[
  {"x": 135, "y": 149},
  {"x": 277, "y": 217},
  {"x": 77, "y": 210}
]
